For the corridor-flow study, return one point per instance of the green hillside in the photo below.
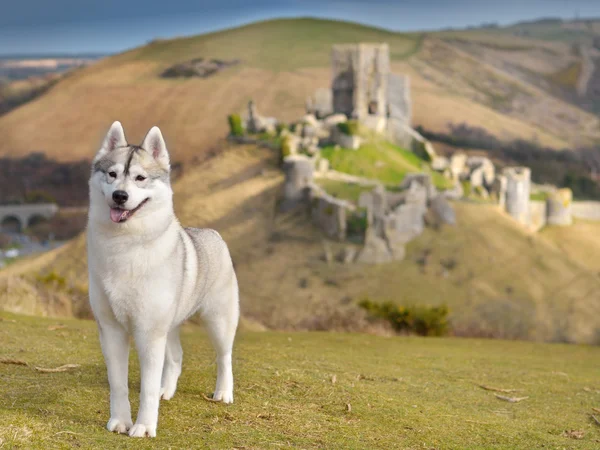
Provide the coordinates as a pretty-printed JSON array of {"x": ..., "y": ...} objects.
[
  {"x": 308, "y": 390},
  {"x": 284, "y": 44}
]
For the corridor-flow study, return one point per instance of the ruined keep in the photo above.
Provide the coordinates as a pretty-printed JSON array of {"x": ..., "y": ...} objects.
[
  {"x": 360, "y": 80},
  {"x": 517, "y": 192},
  {"x": 399, "y": 99}
]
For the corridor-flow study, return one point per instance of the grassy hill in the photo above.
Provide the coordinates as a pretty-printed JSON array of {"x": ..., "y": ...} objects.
[
  {"x": 378, "y": 159},
  {"x": 497, "y": 279},
  {"x": 283, "y": 61},
  {"x": 307, "y": 390}
]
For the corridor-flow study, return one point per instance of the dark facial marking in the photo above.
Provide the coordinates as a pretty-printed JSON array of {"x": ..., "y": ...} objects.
[
  {"x": 103, "y": 165},
  {"x": 133, "y": 149}
]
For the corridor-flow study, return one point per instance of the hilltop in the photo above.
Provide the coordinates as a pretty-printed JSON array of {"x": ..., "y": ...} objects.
[
  {"x": 282, "y": 62},
  {"x": 308, "y": 390}
]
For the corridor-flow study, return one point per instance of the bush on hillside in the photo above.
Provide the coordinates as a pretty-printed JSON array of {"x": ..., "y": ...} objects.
[
  {"x": 280, "y": 127},
  {"x": 235, "y": 125},
  {"x": 582, "y": 186},
  {"x": 421, "y": 320},
  {"x": 350, "y": 127},
  {"x": 420, "y": 151},
  {"x": 39, "y": 197},
  {"x": 285, "y": 149},
  {"x": 356, "y": 225}
]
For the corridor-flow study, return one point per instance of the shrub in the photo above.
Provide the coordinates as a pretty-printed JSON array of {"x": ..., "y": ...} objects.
[
  {"x": 284, "y": 149},
  {"x": 418, "y": 148},
  {"x": 539, "y": 196},
  {"x": 421, "y": 320},
  {"x": 52, "y": 278},
  {"x": 280, "y": 127},
  {"x": 235, "y": 125},
  {"x": 350, "y": 127},
  {"x": 356, "y": 224},
  {"x": 466, "y": 186},
  {"x": 39, "y": 197}
]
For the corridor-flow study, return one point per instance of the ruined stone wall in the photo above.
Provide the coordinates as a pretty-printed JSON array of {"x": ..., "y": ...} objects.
[
  {"x": 329, "y": 213},
  {"x": 559, "y": 207},
  {"x": 399, "y": 99},
  {"x": 537, "y": 215},
  {"x": 372, "y": 88},
  {"x": 586, "y": 210}
]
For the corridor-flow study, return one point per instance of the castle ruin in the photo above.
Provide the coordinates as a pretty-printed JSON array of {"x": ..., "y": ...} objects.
[
  {"x": 360, "y": 80},
  {"x": 384, "y": 220}
]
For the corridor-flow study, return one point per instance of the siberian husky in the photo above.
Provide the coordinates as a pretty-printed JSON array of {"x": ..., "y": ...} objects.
[{"x": 147, "y": 275}]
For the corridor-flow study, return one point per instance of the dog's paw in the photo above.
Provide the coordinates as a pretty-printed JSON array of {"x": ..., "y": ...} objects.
[
  {"x": 141, "y": 430},
  {"x": 118, "y": 425},
  {"x": 167, "y": 392},
  {"x": 223, "y": 396}
]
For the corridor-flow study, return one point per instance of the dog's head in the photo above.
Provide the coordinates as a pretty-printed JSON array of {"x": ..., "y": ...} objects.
[{"x": 130, "y": 182}]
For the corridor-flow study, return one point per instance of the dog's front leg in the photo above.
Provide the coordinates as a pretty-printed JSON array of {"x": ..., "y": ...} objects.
[
  {"x": 151, "y": 350},
  {"x": 115, "y": 347}
]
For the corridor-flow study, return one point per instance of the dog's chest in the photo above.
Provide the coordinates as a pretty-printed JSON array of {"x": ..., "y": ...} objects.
[{"x": 139, "y": 283}]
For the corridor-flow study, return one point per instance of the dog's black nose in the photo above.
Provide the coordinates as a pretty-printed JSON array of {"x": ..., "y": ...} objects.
[{"x": 120, "y": 197}]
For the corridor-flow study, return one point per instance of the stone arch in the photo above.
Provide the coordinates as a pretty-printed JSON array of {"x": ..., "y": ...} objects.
[
  {"x": 11, "y": 224},
  {"x": 36, "y": 219}
]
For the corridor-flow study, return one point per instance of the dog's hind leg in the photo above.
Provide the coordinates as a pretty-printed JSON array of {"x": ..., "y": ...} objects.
[
  {"x": 172, "y": 366},
  {"x": 221, "y": 328}
]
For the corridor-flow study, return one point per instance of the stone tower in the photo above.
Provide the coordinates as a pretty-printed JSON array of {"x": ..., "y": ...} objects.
[
  {"x": 360, "y": 80},
  {"x": 516, "y": 195},
  {"x": 558, "y": 207}
]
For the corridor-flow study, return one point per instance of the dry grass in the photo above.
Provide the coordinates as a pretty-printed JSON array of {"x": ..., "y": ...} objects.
[
  {"x": 70, "y": 121},
  {"x": 581, "y": 241}
]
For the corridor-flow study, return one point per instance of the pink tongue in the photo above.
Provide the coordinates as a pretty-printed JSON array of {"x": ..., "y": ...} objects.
[{"x": 117, "y": 214}]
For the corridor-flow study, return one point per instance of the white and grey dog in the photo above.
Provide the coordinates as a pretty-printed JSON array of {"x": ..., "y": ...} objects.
[{"x": 147, "y": 275}]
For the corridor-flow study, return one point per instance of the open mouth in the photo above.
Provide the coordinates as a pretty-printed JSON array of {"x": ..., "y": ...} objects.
[{"x": 119, "y": 215}]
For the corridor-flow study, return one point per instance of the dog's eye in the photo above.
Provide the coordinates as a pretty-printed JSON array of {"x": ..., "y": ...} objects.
[
  {"x": 140, "y": 178},
  {"x": 112, "y": 174}
]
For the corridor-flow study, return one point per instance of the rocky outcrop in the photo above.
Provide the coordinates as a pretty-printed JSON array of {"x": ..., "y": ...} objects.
[{"x": 199, "y": 67}]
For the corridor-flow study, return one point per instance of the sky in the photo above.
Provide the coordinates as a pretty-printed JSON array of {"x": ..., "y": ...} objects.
[{"x": 111, "y": 26}]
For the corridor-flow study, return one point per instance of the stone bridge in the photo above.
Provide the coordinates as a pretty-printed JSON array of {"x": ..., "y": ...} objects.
[{"x": 19, "y": 217}]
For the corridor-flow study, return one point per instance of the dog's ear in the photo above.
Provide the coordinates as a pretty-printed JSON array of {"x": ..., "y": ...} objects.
[
  {"x": 155, "y": 145},
  {"x": 115, "y": 138}
]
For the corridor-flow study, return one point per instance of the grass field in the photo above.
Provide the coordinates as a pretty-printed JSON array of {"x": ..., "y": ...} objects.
[
  {"x": 343, "y": 190},
  {"x": 308, "y": 390},
  {"x": 379, "y": 160}
]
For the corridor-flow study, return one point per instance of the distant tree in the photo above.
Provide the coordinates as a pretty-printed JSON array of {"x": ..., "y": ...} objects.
[{"x": 39, "y": 197}]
